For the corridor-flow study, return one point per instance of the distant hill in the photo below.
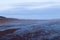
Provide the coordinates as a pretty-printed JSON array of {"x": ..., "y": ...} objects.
[
  {"x": 1, "y": 17},
  {"x": 5, "y": 19}
]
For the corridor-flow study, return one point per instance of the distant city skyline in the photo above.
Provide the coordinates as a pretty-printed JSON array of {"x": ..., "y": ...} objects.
[{"x": 30, "y": 9}]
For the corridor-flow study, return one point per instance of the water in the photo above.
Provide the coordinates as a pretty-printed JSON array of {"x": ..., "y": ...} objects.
[{"x": 33, "y": 30}]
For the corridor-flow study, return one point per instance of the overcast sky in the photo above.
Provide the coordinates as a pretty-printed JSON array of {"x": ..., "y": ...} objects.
[{"x": 30, "y": 9}]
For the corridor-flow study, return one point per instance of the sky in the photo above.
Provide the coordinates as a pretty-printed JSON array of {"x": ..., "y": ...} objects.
[{"x": 30, "y": 9}]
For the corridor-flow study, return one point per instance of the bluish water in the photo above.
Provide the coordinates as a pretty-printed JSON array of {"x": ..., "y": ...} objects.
[{"x": 34, "y": 30}]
